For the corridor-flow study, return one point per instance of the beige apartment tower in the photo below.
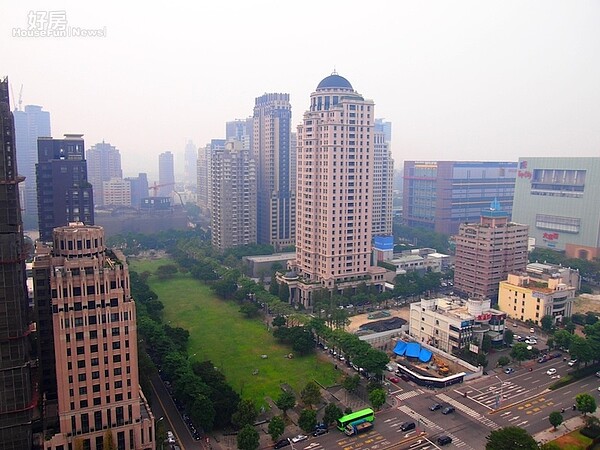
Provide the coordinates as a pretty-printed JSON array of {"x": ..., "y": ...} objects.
[
  {"x": 93, "y": 320},
  {"x": 335, "y": 148}
]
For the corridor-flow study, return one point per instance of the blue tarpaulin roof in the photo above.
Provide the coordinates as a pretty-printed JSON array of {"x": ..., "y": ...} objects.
[
  {"x": 425, "y": 355},
  {"x": 412, "y": 350},
  {"x": 400, "y": 348}
]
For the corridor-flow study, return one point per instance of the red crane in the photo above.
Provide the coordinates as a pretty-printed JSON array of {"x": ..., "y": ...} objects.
[{"x": 155, "y": 187}]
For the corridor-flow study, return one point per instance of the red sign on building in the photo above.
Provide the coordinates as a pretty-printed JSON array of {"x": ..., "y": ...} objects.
[{"x": 551, "y": 236}]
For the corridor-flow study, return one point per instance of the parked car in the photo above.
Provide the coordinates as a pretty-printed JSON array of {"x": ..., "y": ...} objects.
[
  {"x": 405, "y": 426},
  {"x": 572, "y": 362},
  {"x": 598, "y": 374},
  {"x": 394, "y": 379},
  {"x": 509, "y": 370},
  {"x": 435, "y": 407},
  {"x": 320, "y": 431},
  {"x": 531, "y": 341},
  {"x": 282, "y": 443},
  {"x": 448, "y": 410},
  {"x": 299, "y": 438},
  {"x": 444, "y": 439},
  {"x": 551, "y": 371},
  {"x": 532, "y": 330}
]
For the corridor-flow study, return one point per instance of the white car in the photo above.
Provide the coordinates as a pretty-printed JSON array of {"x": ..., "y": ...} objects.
[
  {"x": 299, "y": 438},
  {"x": 531, "y": 341},
  {"x": 532, "y": 330},
  {"x": 572, "y": 362},
  {"x": 551, "y": 371}
]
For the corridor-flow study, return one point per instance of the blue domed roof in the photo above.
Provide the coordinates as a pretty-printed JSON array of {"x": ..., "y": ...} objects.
[{"x": 334, "y": 81}]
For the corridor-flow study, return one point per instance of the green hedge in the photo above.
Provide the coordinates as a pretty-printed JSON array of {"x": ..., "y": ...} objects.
[{"x": 575, "y": 375}]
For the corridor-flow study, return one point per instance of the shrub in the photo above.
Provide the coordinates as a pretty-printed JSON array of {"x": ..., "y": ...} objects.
[{"x": 592, "y": 432}]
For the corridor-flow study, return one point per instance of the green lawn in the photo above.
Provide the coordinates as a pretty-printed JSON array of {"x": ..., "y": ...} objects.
[
  {"x": 233, "y": 343},
  {"x": 573, "y": 441}
]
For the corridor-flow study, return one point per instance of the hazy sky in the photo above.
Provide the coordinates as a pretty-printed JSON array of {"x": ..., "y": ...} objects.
[{"x": 471, "y": 80}]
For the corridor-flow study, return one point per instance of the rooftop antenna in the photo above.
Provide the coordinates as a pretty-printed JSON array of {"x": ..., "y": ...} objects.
[
  {"x": 20, "y": 98},
  {"x": 334, "y": 71},
  {"x": 12, "y": 97}
]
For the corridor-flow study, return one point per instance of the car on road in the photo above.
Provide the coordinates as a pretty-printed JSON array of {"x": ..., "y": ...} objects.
[
  {"x": 394, "y": 379},
  {"x": 551, "y": 371},
  {"x": 515, "y": 324},
  {"x": 320, "y": 431},
  {"x": 444, "y": 439},
  {"x": 572, "y": 362},
  {"x": 532, "y": 330},
  {"x": 509, "y": 370},
  {"x": 448, "y": 410},
  {"x": 405, "y": 426},
  {"x": 282, "y": 443},
  {"x": 598, "y": 374},
  {"x": 435, "y": 407},
  {"x": 531, "y": 341},
  {"x": 299, "y": 438}
]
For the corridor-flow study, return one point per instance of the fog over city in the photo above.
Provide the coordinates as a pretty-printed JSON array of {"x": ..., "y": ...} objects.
[{"x": 467, "y": 80}]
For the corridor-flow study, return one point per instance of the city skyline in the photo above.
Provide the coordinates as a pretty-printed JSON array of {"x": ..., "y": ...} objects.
[{"x": 471, "y": 81}]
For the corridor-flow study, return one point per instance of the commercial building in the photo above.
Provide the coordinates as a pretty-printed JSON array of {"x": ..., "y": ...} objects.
[
  {"x": 271, "y": 146},
  {"x": 63, "y": 191},
  {"x": 17, "y": 397},
  {"x": 440, "y": 195},
  {"x": 527, "y": 298},
  {"x": 334, "y": 194},
  {"x": 421, "y": 260},
  {"x": 452, "y": 325},
  {"x": 382, "y": 179},
  {"x": 233, "y": 197},
  {"x": 558, "y": 198},
  {"x": 486, "y": 252},
  {"x": 104, "y": 164},
  {"x": 94, "y": 343},
  {"x": 166, "y": 174},
  {"x": 117, "y": 192}
]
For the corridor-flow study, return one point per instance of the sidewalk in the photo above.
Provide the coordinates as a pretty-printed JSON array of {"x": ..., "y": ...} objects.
[{"x": 564, "y": 428}]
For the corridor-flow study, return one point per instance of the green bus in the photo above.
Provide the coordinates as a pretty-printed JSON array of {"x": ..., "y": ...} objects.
[{"x": 367, "y": 414}]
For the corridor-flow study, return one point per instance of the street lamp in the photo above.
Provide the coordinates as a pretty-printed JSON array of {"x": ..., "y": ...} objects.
[{"x": 162, "y": 442}]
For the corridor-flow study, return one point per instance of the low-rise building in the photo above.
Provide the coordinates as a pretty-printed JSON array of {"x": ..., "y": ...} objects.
[{"x": 527, "y": 298}]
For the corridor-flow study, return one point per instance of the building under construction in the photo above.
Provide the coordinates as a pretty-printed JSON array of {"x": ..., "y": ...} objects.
[{"x": 16, "y": 394}]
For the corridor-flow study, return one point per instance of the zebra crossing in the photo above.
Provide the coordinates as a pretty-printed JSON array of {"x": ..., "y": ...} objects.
[
  {"x": 469, "y": 411},
  {"x": 409, "y": 394},
  {"x": 498, "y": 393},
  {"x": 457, "y": 442}
]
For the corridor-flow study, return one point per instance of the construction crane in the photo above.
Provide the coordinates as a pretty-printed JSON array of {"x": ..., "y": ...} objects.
[{"x": 155, "y": 187}]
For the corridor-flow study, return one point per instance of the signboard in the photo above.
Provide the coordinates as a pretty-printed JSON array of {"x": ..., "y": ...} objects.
[
  {"x": 484, "y": 317},
  {"x": 474, "y": 348},
  {"x": 551, "y": 236}
]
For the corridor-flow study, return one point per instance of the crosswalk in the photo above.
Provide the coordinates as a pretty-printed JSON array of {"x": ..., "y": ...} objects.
[
  {"x": 498, "y": 394},
  {"x": 426, "y": 422},
  {"x": 409, "y": 394},
  {"x": 469, "y": 411}
]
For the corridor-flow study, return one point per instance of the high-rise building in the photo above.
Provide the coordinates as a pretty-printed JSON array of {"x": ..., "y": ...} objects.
[
  {"x": 63, "y": 191},
  {"x": 487, "y": 251},
  {"x": 166, "y": 174},
  {"x": 558, "y": 199},
  {"x": 335, "y": 151},
  {"x": 383, "y": 179},
  {"x": 104, "y": 164},
  {"x": 440, "y": 195},
  {"x": 30, "y": 124},
  {"x": 139, "y": 189},
  {"x": 272, "y": 153},
  {"x": 16, "y": 395},
  {"x": 204, "y": 173},
  {"x": 190, "y": 157},
  {"x": 117, "y": 192},
  {"x": 94, "y": 342},
  {"x": 240, "y": 130},
  {"x": 233, "y": 196}
]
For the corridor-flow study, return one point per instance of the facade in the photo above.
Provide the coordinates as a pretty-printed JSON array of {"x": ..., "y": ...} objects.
[
  {"x": 204, "y": 174},
  {"x": 486, "y": 252},
  {"x": 262, "y": 265},
  {"x": 452, "y": 325},
  {"x": 139, "y": 189},
  {"x": 526, "y": 298},
  {"x": 233, "y": 197},
  {"x": 440, "y": 195},
  {"x": 544, "y": 271},
  {"x": 94, "y": 342},
  {"x": 335, "y": 148},
  {"x": 241, "y": 130},
  {"x": 104, "y": 164},
  {"x": 383, "y": 179},
  {"x": 190, "y": 157},
  {"x": 117, "y": 192},
  {"x": 422, "y": 260},
  {"x": 30, "y": 124},
  {"x": 558, "y": 199},
  {"x": 276, "y": 208},
  {"x": 166, "y": 174},
  {"x": 17, "y": 398},
  {"x": 63, "y": 191}
]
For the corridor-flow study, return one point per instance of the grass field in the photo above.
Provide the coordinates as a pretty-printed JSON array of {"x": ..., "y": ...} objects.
[
  {"x": 573, "y": 441},
  {"x": 234, "y": 344}
]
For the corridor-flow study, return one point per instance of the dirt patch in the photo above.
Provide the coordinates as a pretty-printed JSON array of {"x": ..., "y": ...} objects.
[
  {"x": 573, "y": 440},
  {"x": 586, "y": 302}
]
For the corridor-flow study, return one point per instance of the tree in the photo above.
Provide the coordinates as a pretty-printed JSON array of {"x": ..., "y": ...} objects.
[
  {"x": 503, "y": 361},
  {"x": 109, "y": 441},
  {"x": 550, "y": 446},
  {"x": 249, "y": 310},
  {"x": 279, "y": 321},
  {"x": 351, "y": 382},
  {"x": 274, "y": 286},
  {"x": 547, "y": 323},
  {"x": 509, "y": 336},
  {"x": 377, "y": 398},
  {"x": 285, "y": 401},
  {"x": 509, "y": 438},
  {"x": 166, "y": 271},
  {"x": 332, "y": 413},
  {"x": 580, "y": 349},
  {"x": 585, "y": 403},
  {"x": 486, "y": 343},
  {"x": 562, "y": 338},
  {"x": 248, "y": 438},
  {"x": 246, "y": 414},
  {"x": 276, "y": 427},
  {"x": 555, "y": 419},
  {"x": 519, "y": 352},
  {"x": 311, "y": 394},
  {"x": 202, "y": 412},
  {"x": 308, "y": 420},
  {"x": 570, "y": 327}
]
